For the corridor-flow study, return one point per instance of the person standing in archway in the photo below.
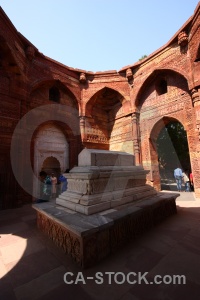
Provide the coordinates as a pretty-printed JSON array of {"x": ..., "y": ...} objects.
[
  {"x": 186, "y": 181},
  {"x": 53, "y": 185},
  {"x": 191, "y": 182},
  {"x": 178, "y": 175}
]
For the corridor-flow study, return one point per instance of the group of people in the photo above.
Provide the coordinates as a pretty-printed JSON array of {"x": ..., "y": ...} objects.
[
  {"x": 51, "y": 186},
  {"x": 185, "y": 177}
]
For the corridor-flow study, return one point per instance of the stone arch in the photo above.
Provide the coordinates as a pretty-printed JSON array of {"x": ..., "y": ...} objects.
[
  {"x": 106, "y": 93},
  {"x": 92, "y": 97},
  {"x": 160, "y": 124},
  {"x": 50, "y": 80},
  {"x": 152, "y": 107},
  {"x": 103, "y": 111},
  {"x": 155, "y": 177},
  {"x": 52, "y": 164},
  {"x": 46, "y": 83},
  {"x": 151, "y": 79}
]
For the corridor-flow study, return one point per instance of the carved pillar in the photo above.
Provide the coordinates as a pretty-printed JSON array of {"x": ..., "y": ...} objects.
[
  {"x": 196, "y": 103},
  {"x": 136, "y": 137},
  {"x": 195, "y": 146},
  {"x": 82, "y": 127}
]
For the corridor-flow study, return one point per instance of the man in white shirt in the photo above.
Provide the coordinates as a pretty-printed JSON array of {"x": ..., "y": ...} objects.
[{"x": 178, "y": 175}]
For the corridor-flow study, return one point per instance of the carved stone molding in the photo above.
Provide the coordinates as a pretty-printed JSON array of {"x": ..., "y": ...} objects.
[
  {"x": 195, "y": 97},
  {"x": 87, "y": 245},
  {"x": 97, "y": 139},
  {"x": 30, "y": 52},
  {"x": 61, "y": 237},
  {"x": 82, "y": 77},
  {"x": 129, "y": 74},
  {"x": 182, "y": 39}
]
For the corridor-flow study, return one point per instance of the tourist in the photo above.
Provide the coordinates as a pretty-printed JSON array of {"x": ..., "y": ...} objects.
[
  {"x": 178, "y": 175},
  {"x": 45, "y": 187},
  {"x": 53, "y": 185},
  {"x": 191, "y": 182},
  {"x": 186, "y": 181},
  {"x": 63, "y": 183}
]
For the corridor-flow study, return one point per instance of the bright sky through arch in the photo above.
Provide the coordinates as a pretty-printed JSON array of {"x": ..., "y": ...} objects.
[{"x": 98, "y": 35}]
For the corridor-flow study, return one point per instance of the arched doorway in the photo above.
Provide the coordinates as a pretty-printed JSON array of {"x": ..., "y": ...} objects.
[
  {"x": 168, "y": 149},
  {"x": 51, "y": 165}
]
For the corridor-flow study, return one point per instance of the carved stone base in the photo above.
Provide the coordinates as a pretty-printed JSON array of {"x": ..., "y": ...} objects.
[
  {"x": 88, "y": 239},
  {"x": 104, "y": 180}
]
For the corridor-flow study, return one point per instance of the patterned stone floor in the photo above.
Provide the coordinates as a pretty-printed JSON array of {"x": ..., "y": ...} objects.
[{"x": 32, "y": 267}]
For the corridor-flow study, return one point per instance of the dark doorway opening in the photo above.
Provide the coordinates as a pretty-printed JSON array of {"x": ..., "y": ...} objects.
[
  {"x": 173, "y": 151},
  {"x": 51, "y": 165}
]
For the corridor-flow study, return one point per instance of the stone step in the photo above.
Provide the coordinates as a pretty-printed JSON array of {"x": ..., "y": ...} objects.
[{"x": 99, "y": 203}]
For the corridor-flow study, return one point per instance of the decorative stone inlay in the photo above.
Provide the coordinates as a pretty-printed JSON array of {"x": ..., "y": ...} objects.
[
  {"x": 182, "y": 39},
  {"x": 97, "y": 139},
  {"x": 95, "y": 135}
]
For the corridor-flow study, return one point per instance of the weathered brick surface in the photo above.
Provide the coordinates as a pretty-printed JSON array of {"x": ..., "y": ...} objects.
[{"x": 110, "y": 110}]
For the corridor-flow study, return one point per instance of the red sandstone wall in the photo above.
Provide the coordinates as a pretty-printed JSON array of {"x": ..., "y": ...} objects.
[{"x": 26, "y": 76}]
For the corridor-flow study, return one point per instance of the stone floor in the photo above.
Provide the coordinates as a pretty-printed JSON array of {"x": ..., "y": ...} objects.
[{"x": 32, "y": 267}]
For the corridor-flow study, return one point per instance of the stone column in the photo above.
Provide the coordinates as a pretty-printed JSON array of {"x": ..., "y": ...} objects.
[
  {"x": 82, "y": 127},
  {"x": 195, "y": 147},
  {"x": 136, "y": 137}
]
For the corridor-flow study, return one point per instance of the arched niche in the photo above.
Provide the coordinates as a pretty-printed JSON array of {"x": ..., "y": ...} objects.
[
  {"x": 50, "y": 146},
  {"x": 105, "y": 113},
  {"x": 51, "y": 165},
  {"x": 53, "y": 91},
  {"x": 161, "y": 85}
]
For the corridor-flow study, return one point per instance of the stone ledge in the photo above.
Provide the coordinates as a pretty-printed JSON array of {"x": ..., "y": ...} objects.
[
  {"x": 91, "y": 204},
  {"x": 88, "y": 239}
]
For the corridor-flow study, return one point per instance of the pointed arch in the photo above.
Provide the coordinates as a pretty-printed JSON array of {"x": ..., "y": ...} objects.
[
  {"x": 41, "y": 94},
  {"x": 50, "y": 83},
  {"x": 154, "y": 78},
  {"x": 112, "y": 98},
  {"x": 165, "y": 153}
]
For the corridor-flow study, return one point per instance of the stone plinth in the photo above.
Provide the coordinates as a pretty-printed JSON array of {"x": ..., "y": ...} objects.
[
  {"x": 103, "y": 180},
  {"x": 95, "y": 157},
  {"x": 89, "y": 239}
]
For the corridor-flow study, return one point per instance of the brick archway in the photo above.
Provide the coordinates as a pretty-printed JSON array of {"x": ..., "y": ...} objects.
[{"x": 155, "y": 176}]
